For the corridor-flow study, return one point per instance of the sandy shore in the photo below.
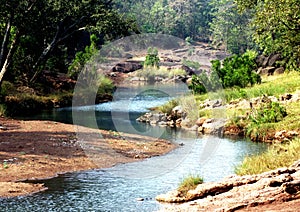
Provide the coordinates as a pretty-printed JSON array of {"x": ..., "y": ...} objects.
[{"x": 42, "y": 149}]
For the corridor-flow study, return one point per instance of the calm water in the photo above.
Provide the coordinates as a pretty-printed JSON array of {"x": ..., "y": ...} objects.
[{"x": 117, "y": 188}]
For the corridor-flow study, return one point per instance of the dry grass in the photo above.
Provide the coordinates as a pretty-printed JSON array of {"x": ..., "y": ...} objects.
[{"x": 278, "y": 155}]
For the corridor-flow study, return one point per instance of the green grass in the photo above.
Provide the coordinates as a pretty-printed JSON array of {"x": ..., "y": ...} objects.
[
  {"x": 189, "y": 183},
  {"x": 278, "y": 155}
]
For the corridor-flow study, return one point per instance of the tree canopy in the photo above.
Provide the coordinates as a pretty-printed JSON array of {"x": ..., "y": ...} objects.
[
  {"x": 277, "y": 26},
  {"x": 37, "y": 33}
]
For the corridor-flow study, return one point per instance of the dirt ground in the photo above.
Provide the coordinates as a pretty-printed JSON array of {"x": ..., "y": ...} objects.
[{"x": 42, "y": 149}]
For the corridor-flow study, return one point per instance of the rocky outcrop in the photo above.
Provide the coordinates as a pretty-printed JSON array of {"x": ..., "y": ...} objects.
[
  {"x": 268, "y": 65},
  {"x": 236, "y": 192}
]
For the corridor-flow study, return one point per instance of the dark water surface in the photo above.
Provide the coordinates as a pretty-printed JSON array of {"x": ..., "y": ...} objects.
[{"x": 117, "y": 188}]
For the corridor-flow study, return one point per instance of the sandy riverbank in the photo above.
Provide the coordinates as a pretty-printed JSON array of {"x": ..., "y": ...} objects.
[{"x": 43, "y": 149}]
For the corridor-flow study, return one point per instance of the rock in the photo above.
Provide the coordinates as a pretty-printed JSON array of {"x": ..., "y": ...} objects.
[
  {"x": 273, "y": 59},
  {"x": 153, "y": 122},
  {"x": 259, "y": 70},
  {"x": 244, "y": 104},
  {"x": 162, "y": 123},
  {"x": 279, "y": 70},
  {"x": 127, "y": 67},
  {"x": 291, "y": 187},
  {"x": 135, "y": 79},
  {"x": 214, "y": 126},
  {"x": 260, "y": 60},
  {"x": 177, "y": 112},
  {"x": 113, "y": 74},
  {"x": 273, "y": 98},
  {"x": 265, "y": 62},
  {"x": 295, "y": 97},
  {"x": 200, "y": 130},
  {"x": 267, "y": 71},
  {"x": 200, "y": 121},
  {"x": 178, "y": 121},
  {"x": 237, "y": 192},
  {"x": 186, "y": 123},
  {"x": 194, "y": 128},
  {"x": 188, "y": 70},
  {"x": 286, "y": 97}
]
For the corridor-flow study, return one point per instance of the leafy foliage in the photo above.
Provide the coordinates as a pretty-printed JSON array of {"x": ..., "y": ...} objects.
[
  {"x": 48, "y": 33},
  {"x": 181, "y": 18},
  {"x": 270, "y": 112},
  {"x": 277, "y": 25},
  {"x": 230, "y": 28},
  {"x": 235, "y": 71},
  {"x": 82, "y": 57},
  {"x": 152, "y": 58}
]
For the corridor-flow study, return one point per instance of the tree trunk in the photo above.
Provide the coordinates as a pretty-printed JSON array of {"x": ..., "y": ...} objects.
[
  {"x": 9, "y": 56},
  {"x": 59, "y": 37},
  {"x": 5, "y": 42}
]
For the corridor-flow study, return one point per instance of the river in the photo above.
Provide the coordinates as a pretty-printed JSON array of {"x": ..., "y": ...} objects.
[{"x": 119, "y": 187}]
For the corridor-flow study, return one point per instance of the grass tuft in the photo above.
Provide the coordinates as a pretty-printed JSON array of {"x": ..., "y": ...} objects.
[{"x": 189, "y": 183}]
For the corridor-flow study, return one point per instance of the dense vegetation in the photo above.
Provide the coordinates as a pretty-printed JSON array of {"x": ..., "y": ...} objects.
[
  {"x": 46, "y": 34},
  {"x": 59, "y": 36}
]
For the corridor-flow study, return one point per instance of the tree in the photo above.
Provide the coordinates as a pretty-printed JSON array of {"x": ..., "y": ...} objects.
[
  {"x": 277, "y": 26},
  {"x": 181, "y": 18},
  {"x": 231, "y": 28},
  {"x": 36, "y": 28}
]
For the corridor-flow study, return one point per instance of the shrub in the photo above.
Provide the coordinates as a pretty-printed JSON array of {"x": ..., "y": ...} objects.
[
  {"x": 152, "y": 58},
  {"x": 235, "y": 71},
  {"x": 262, "y": 118},
  {"x": 270, "y": 112}
]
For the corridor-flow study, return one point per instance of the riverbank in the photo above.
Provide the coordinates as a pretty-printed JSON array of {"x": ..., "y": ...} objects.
[
  {"x": 268, "y": 112},
  {"x": 31, "y": 150}
]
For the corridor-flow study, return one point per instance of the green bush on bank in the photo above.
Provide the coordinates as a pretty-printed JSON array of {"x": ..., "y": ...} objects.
[
  {"x": 261, "y": 118},
  {"x": 152, "y": 58},
  {"x": 235, "y": 71}
]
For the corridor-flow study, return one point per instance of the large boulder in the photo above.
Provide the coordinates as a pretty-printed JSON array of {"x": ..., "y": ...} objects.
[
  {"x": 273, "y": 59},
  {"x": 213, "y": 126},
  {"x": 127, "y": 67}
]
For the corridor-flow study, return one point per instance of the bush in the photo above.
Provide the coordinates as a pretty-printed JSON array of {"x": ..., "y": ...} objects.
[
  {"x": 167, "y": 107},
  {"x": 152, "y": 58},
  {"x": 236, "y": 71},
  {"x": 270, "y": 112},
  {"x": 261, "y": 119},
  {"x": 192, "y": 64}
]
